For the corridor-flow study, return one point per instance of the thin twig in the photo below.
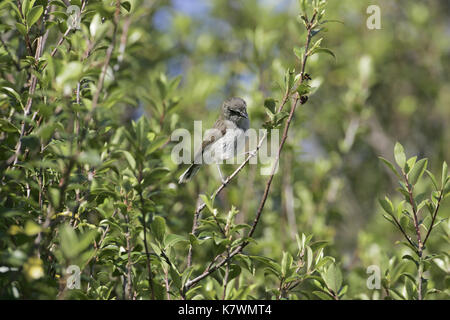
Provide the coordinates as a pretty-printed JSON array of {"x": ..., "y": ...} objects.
[
  {"x": 225, "y": 278},
  {"x": 147, "y": 251},
  {"x": 100, "y": 242},
  {"x": 109, "y": 52},
  {"x": 234, "y": 174},
  {"x": 297, "y": 98},
  {"x": 415, "y": 215},
  {"x": 166, "y": 283},
  {"x": 27, "y": 37},
  {"x": 222, "y": 186},
  {"x": 274, "y": 168},
  {"x": 33, "y": 82},
  {"x": 403, "y": 232},
  {"x": 129, "y": 266}
]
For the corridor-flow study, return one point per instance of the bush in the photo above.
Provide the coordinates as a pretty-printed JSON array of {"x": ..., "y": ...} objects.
[{"x": 90, "y": 208}]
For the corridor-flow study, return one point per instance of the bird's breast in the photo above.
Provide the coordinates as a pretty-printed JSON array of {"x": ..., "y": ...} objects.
[{"x": 228, "y": 146}]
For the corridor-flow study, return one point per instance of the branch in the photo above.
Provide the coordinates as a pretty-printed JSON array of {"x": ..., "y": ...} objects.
[
  {"x": 403, "y": 231},
  {"x": 222, "y": 186},
  {"x": 434, "y": 218},
  {"x": 147, "y": 251},
  {"x": 27, "y": 37},
  {"x": 272, "y": 174},
  {"x": 288, "y": 94},
  {"x": 100, "y": 243},
  {"x": 234, "y": 174},
  {"x": 60, "y": 41},
  {"x": 33, "y": 83},
  {"x": 109, "y": 52},
  {"x": 129, "y": 265},
  {"x": 416, "y": 220}
]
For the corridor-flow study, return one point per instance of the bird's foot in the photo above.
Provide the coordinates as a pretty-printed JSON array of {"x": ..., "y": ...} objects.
[{"x": 252, "y": 153}]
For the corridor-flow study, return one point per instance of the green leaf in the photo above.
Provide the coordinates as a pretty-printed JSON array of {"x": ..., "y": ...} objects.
[
  {"x": 323, "y": 50},
  {"x": 235, "y": 270},
  {"x": 299, "y": 242},
  {"x": 322, "y": 295},
  {"x": 387, "y": 205},
  {"x": 279, "y": 117},
  {"x": 176, "y": 278},
  {"x": 208, "y": 203},
  {"x": 126, "y": 5},
  {"x": 32, "y": 228},
  {"x": 34, "y": 15},
  {"x": 95, "y": 25},
  {"x": 286, "y": 263},
  {"x": 289, "y": 78},
  {"x": 158, "y": 227},
  {"x": 410, "y": 258},
  {"x": 272, "y": 265},
  {"x": 315, "y": 46},
  {"x": 446, "y": 188},
  {"x": 7, "y": 126},
  {"x": 399, "y": 155},
  {"x": 299, "y": 52},
  {"x": 58, "y": 3},
  {"x": 172, "y": 239},
  {"x": 309, "y": 258},
  {"x": 26, "y": 5},
  {"x": 410, "y": 163},
  {"x": 130, "y": 158},
  {"x": 433, "y": 179},
  {"x": 407, "y": 244},
  {"x": 399, "y": 210},
  {"x": 303, "y": 89},
  {"x": 22, "y": 28},
  {"x": 90, "y": 157},
  {"x": 390, "y": 219},
  {"x": 71, "y": 72},
  {"x": 417, "y": 171},
  {"x": 333, "y": 278},
  {"x": 156, "y": 144},
  {"x": 12, "y": 93},
  {"x": 302, "y": 4},
  {"x": 186, "y": 274},
  {"x": 270, "y": 105}
]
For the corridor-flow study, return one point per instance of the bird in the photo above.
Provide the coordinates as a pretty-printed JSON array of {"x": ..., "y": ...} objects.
[{"x": 224, "y": 140}]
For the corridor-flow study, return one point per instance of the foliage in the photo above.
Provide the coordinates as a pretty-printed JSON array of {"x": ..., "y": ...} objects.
[
  {"x": 87, "y": 179},
  {"x": 410, "y": 219}
]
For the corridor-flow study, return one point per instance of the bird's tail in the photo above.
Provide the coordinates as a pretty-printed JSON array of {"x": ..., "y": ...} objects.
[{"x": 189, "y": 173}]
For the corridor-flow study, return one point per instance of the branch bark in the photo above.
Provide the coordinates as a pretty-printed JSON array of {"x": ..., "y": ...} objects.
[{"x": 296, "y": 99}]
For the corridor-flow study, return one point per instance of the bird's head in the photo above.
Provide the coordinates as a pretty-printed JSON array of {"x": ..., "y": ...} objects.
[{"x": 235, "y": 109}]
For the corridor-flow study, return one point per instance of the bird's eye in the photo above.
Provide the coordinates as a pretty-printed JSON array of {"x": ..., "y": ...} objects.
[{"x": 234, "y": 112}]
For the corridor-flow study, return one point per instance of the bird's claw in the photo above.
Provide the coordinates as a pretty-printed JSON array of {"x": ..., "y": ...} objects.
[{"x": 252, "y": 153}]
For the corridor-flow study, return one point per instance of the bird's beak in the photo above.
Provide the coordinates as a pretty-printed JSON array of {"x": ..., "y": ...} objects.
[{"x": 244, "y": 114}]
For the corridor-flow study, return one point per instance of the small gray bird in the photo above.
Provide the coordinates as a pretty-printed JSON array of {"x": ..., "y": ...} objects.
[{"x": 223, "y": 141}]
